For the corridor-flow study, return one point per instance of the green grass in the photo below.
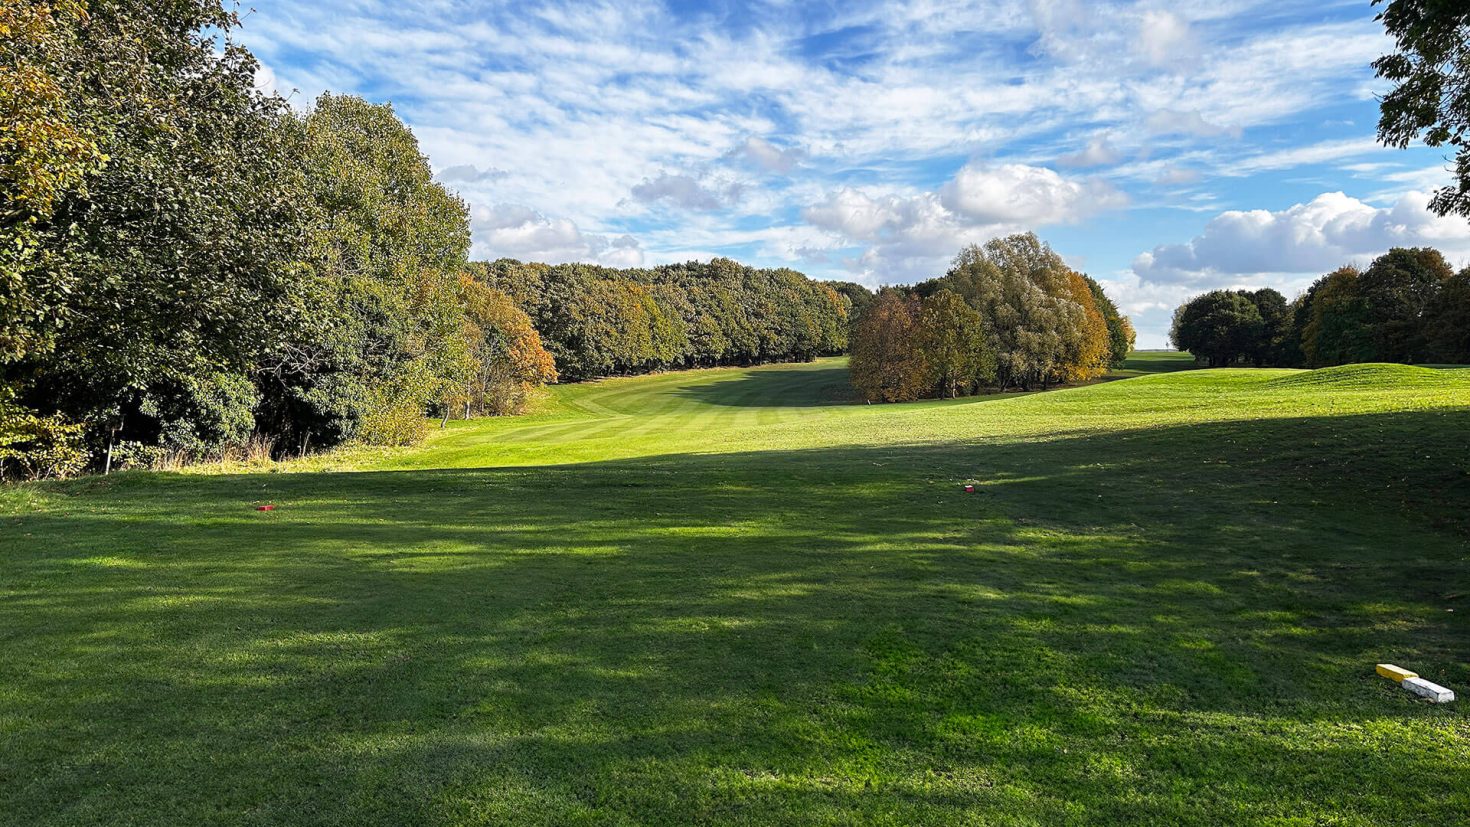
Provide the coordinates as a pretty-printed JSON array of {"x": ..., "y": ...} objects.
[{"x": 729, "y": 596}]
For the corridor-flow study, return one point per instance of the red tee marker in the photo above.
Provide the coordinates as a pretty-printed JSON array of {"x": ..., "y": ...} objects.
[
  {"x": 265, "y": 508},
  {"x": 969, "y": 489}
]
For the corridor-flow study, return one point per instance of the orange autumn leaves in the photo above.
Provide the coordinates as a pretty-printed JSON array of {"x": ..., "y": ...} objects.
[{"x": 1008, "y": 314}]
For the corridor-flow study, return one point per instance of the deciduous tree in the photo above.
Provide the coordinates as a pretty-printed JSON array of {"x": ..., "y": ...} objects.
[
  {"x": 886, "y": 364},
  {"x": 951, "y": 339},
  {"x": 1219, "y": 327},
  {"x": 1430, "y": 98}
]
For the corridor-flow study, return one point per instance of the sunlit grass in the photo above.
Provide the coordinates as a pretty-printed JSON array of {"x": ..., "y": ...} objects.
[{"x": 731, "y": 596}]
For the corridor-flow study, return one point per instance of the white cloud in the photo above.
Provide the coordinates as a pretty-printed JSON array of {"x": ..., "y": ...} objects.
[
  {"x": 1331, "y": 230},
  {"x": 1164, "y": 38},
  {"x": 1190, "y": 122},
  {"x": 471, "y": 174},
  {"x": 856, "y": 215},
  {"x": 899, "y": 237},
  {"x": 1021, "y": 194},
  {"x": 1176, "y": 176},
  {"x": 1318, "y": 153},
  {"x": 907, "y": 235},
  {"x": 684, "y": 191},
  {"x": 766, "y": 156},
  {"x": 516, "y": 231},
  {"x": 1098, "y": 152}
]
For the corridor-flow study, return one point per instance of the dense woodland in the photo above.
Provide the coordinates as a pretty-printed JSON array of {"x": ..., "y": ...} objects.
[
  {"x": 190, "y": 268},
  {"x": 598, "y": 321},
  {"x": 1009, "y": 314},
  {"x": 1408, "y": 306}
]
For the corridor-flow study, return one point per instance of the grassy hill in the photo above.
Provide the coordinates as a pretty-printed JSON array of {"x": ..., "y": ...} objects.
[{"x": 731, "y": 596}]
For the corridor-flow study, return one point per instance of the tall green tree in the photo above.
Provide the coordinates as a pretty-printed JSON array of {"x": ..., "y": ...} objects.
[
  {"x": 1272, "y": 344},
  {"x": 951, "y": 338},
  {"x": 172, "y": 232},
  {"x": 48, "y": 148},
  {"x": 1395, "y": 290},
  {"x": 1447, "y": 321},
  {"x": 1430, "y": 98},
  {"x": 598, "y": 321},
  {"x": 377, "y": 311},
  {"x": 1220, "y": 327},
  {"x": 1040, "y": 324},
  {"x": 1336, "y": 330}
]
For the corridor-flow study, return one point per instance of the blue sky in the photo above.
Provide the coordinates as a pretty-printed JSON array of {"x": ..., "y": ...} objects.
[{"x": 1164, "y": 148}]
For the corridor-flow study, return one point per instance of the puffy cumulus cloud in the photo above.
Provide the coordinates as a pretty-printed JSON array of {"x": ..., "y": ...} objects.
[
  {"x": 684, "y": 191},
  {"x": 766, "y": 156},
  {"x": 894, "y": 237},
  {"x": 1017, "y": 193},
  {"x": 1331, "y": 230},
  {"x": 517, "y": 231},
  {"x": 906, "y": 235},
  {"x": 857, "y": 215},
  {"x": 1063, "y": 27}
]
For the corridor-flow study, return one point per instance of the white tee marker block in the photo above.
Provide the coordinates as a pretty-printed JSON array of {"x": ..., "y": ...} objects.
[{"x": 1425, "y": 689}]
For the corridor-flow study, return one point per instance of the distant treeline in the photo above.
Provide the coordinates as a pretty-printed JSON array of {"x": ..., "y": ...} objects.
[
  {"x": 597, "y": 321},
  {"x": 1008, "y": 314},
  {"x": 1408, "y": 306}
]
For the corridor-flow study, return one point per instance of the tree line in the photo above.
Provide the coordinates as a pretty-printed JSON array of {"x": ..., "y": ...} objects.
[
  {"x": 598, "y": 321},
  {"x": 1009, "y": 314},
  {"x": 190, "y": 269},
  {"x": 1408, "y": 305}
]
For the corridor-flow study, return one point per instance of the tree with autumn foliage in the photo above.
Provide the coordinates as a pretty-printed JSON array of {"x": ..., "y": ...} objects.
[
  {"x": 1121, "y": 335},
  {"x": 509, "y": 360},
  {"x": 1088, "y": 347},
  {"x": 1043, "y": 322},
  {"x": 886, "y": 364},
  {"x": 48, "y": 147},
  {"x": 1010, "y": 312},
  {"x": 598, "y": 321}
]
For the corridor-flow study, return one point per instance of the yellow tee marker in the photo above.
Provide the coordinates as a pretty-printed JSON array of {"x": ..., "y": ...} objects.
[{"x": 1395, "y": 673}]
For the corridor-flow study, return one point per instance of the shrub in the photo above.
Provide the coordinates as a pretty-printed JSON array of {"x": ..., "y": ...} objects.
[
  {"x": 133, "y": 454},
  {"x": 34, "y": 447},
  {"x": 396, "y": 420}
]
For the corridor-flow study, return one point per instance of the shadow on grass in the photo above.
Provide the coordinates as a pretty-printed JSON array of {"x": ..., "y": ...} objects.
[
  {"x": 819, "y": 385},
  {"x": 1173, "y": 625}
]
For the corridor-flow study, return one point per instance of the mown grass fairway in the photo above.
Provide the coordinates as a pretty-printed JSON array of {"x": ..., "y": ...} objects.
[{"x": 730, "y": 597}]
